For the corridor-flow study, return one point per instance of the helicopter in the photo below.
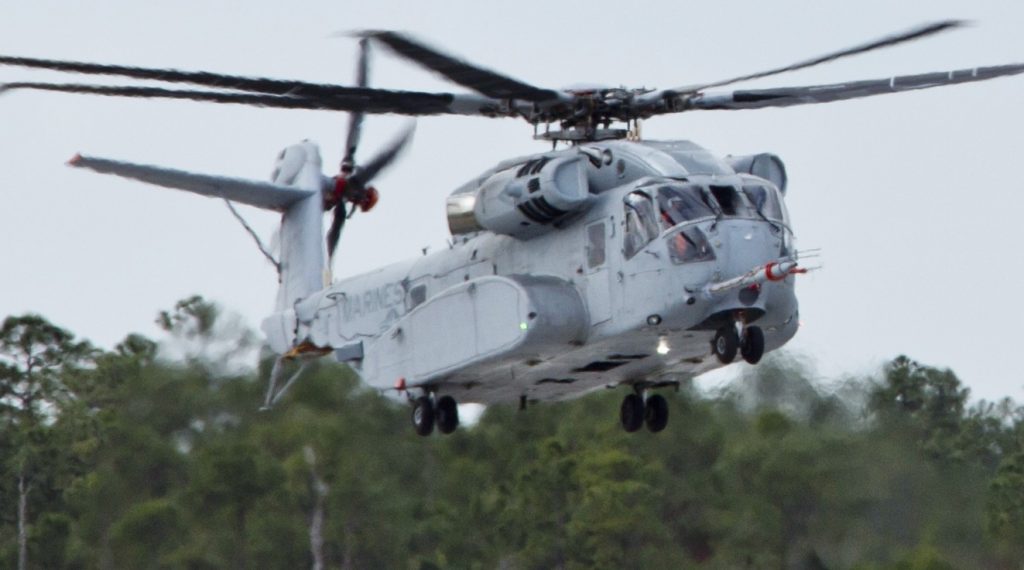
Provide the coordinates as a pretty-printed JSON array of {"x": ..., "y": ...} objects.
[{"x": 610, "y": 262}]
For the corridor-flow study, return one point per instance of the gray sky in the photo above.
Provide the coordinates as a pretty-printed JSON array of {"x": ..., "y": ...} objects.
[{"x": 914, "y": 198}]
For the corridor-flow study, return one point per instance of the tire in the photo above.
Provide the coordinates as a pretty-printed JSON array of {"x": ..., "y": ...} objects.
[
  {"x": 423, "y": 416},
  {"x": 725, "y": 344},
  {"x": 447, "y": 414},
  {"x": 632, "y": 413},
  {"x": 656, "y": 413},
  {"x": 752, "y": 346}
]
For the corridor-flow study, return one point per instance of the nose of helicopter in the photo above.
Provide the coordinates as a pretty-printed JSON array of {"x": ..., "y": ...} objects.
[{"x": 741, "y": 246}]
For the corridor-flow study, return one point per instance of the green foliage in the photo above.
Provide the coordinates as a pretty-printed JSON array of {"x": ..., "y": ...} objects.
[
  {"x": 136, "y": 461},
  {"x": 924, "y": 557},
  {"x": 1006, "y": 503},
  {"x": 147, "y": 533},
  {"x": 924, "y": 402},
  {"x": 191, "y": 317},
  {"x": 48, "y": 540},
  {"x": 40, "y": 364}
]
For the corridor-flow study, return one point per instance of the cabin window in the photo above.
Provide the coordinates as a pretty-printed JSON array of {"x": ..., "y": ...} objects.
[
  {"x": 689, "y": 244},
  {"x": 595, "y": 245},
  {"x": 766, "y": 201},
  {"x": 680, "y": 204},
  {"x": 641, "y": 223}
]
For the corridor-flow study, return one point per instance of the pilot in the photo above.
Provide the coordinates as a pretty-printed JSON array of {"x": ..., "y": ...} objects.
[
  {"x": 679, "y": 245},
  {"x": 670, "y": 216}
]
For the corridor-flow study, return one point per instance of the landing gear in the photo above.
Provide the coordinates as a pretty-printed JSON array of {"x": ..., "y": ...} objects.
[
  {"x": 447, "y": 413},
  {"x": 656, "y": 413},
  {"x": 632, "y": 413},
  {"x": 752, "y": 345},
  {"x": 725, "y": 344},
  {"x": 426, "y": 413},
  {"x": 635, "y": 412},
  {"x": 423, "y": 415},
  {"x": 728, "y": 342}
]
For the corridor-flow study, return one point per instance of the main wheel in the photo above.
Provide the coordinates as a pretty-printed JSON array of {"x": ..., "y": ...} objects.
[
  {"x": 725, "y": 344},
  {"x": 656, "y": 413},
  {"x": 752, "y": 345},
  {"x": 632, "y": 413},
  {"x": 447, "y": 414},
  {"x": 423, "y": 415}
]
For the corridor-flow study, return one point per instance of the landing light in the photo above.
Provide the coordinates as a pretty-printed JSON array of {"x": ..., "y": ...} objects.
[{"x": 662, "y": 346}]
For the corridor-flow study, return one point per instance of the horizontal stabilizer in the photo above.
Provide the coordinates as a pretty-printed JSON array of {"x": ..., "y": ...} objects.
[{"x": 252, "y": 192}]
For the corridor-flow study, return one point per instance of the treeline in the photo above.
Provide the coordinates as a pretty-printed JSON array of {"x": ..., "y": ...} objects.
[{"x": 123, "y": 459}]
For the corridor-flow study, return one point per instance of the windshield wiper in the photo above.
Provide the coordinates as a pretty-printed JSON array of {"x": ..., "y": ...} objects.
[
  {"x": 709, "y": 200},
  {"x": 759, "y": 208},
  {"x": 774, "y": 224}
]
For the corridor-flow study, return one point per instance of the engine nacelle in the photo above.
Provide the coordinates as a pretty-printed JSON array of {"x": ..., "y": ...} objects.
[
  {"x": 764, "y": 165},
  {"x": 523, "y": 201}
]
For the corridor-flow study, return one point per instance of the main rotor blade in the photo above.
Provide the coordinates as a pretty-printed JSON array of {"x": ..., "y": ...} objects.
[
  {"x": 255, "y": 99},
  {"x": 479, "y": 79},
  {"x": 204, "y": 78},
  {"x": 334, "y": 233},
  {"x": 344, "y": 99},
  {"x": 789, "y": 96},
  {"x": 887, "y": 41},
  {"x": 357, "y": 98},
  {"x": 355, "y": 122},
  {"x": 366, "y": 173}
]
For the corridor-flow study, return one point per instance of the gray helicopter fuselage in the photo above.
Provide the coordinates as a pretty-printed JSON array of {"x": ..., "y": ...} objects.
[
  {"x": 628, "y": 288},
  {"x": 609, "y": 262}
]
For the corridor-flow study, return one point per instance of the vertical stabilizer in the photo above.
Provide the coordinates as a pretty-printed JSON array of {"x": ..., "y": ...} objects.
[{"x": 303, "y": 252}]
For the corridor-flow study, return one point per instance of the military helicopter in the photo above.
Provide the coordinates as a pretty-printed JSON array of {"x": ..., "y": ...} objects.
[{"x": 608, "y": 261}]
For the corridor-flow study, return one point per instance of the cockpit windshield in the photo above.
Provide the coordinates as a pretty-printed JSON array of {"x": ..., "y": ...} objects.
[
  {"x": 682, "y": 203},
  {"x": 766, "y": 201},
  {"x": 731, "y": 202}
]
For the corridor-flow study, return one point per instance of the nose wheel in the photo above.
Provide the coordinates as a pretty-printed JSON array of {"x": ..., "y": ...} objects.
[
  {"x": 727, "y": 343},
  {"x": 426, "y": 414},
  {"x": 752, "y": 345},
  {"x": 636, "y": 411}
]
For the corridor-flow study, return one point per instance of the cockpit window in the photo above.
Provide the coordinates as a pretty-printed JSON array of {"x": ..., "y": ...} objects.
[
  {"x": 731, "y": 202},
  {"x": 689, "y": 244},
  {"x": 766, "y": 201},
  {"x": 680, "y": 204},
  {"x": 641, "y": 223}
]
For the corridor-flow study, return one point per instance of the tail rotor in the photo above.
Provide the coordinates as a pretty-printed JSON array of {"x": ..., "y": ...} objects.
[{"x": 350, "y": 189}]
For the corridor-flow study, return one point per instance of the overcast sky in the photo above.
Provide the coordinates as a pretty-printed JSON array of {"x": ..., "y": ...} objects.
[{"x": 914, "y": 198}]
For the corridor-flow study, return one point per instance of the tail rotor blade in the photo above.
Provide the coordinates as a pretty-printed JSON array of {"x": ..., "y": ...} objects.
[
  {"x": 334, "y": 233},
  {"x": 366, "y": 173},
  {"x": 355, "y": 123}
]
